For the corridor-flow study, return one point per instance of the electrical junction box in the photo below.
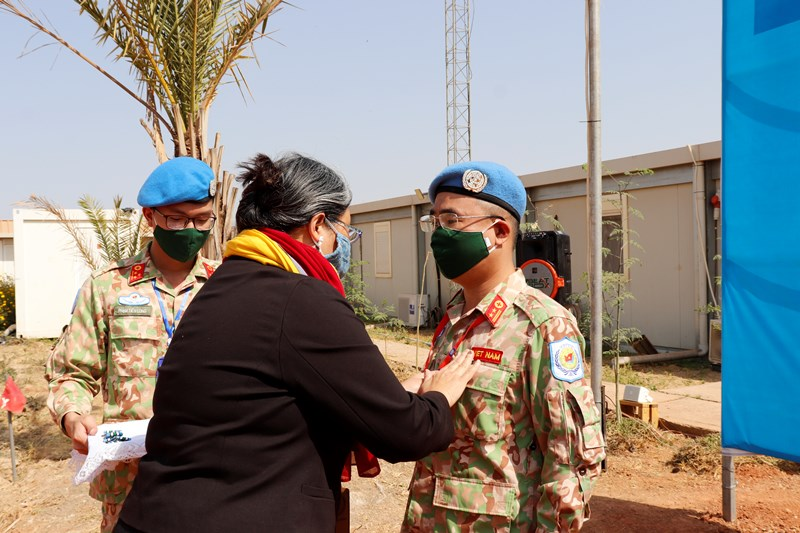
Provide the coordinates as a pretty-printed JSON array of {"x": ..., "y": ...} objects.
[{"x": 412, "y": 308}]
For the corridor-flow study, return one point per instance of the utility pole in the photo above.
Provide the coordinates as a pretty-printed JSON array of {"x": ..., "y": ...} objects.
[
  {"x": 595, "y": 191},
  {"x": 457, "y": 34}
]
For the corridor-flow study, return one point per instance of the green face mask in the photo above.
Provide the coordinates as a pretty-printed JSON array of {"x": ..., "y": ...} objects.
[
  {"x": 456, "y": 251},
  {"x": 181, "y": 245}
]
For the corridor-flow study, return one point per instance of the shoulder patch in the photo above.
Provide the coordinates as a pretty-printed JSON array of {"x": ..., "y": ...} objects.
[{"x": 566, "y": 361}]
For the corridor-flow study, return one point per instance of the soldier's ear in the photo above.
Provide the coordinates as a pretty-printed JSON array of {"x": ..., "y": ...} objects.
[
  {"x": 148, "y": 215},
  {"x": 502, "y": 230}
]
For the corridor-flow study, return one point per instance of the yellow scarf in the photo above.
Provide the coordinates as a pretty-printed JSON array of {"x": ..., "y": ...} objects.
[{"x": 252, "y": 244}]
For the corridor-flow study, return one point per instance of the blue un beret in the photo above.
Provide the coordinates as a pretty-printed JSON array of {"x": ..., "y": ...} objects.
[
  {"x": 183, "y": 179},
  {"x": 484, "y": 180}
]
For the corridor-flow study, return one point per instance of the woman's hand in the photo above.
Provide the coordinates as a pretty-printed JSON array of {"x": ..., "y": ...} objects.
[
  {"x": 452, "y": 379},
  {"x": 413, "y": 383}
]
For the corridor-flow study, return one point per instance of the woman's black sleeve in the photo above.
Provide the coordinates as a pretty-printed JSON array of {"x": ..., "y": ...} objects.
[{"x": 326, "y": 353}]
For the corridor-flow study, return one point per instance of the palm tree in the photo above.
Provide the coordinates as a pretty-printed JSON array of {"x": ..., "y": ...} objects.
[{"x": 180, "y": 52}]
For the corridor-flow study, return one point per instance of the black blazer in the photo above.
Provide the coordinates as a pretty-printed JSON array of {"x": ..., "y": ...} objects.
[{"x": 269, "y": 381}]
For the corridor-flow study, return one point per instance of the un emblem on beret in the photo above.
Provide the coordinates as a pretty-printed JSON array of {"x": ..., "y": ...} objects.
[
  {"x": 474, "y": 180},
  {"x": 212, "y": 188}
]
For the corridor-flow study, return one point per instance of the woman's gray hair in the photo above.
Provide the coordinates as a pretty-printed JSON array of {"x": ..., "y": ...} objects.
[{"x": 285, "y": 194}]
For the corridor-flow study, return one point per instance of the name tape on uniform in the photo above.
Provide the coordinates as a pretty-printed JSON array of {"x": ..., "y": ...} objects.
[{"x": 487, "y": 355}]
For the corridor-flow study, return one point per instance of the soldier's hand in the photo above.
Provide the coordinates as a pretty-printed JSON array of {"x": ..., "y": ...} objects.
[
  {"x": 452, "y": 379},
  {"x": 78, "y": 428}
]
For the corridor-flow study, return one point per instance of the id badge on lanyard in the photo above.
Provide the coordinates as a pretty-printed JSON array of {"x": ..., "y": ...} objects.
[{"x": 169, "y": 327}]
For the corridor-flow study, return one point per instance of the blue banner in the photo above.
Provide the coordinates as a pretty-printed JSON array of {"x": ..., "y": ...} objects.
[{"x": 761, "y": 227}]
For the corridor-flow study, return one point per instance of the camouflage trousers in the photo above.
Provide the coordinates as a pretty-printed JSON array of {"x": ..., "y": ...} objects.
[{"x": 111, "y": 512}]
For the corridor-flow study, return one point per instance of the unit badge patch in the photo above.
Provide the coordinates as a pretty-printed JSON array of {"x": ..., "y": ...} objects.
[
  {"x": 133, "y": 305},
  {"x": 566, "y": 362},
  {"x": 133, "y": 299}
]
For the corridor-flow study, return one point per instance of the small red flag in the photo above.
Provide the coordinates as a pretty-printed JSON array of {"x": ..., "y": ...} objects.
[{"x": 12, "y": 398}]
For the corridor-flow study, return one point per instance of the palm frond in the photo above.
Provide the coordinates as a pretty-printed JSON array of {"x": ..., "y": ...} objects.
[
  {"x": 95, "y": 213},
  {"x": 248, "y": 23},
  {"x": 82, "y": 245}
]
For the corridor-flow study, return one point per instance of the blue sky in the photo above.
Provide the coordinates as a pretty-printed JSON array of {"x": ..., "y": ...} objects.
[{"x": 360, "y": 85}]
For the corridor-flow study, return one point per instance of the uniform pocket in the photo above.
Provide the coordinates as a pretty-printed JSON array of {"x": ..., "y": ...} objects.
[
  {"x": 134, "y": 346},
  {"x": 477, "y": 497},
  {"x": 479, "y": 412},
  {"x": 590, "y": 421}
]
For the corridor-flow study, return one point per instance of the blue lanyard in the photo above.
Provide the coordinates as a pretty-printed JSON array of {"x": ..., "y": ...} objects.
[{"x": 167, "y": 326}]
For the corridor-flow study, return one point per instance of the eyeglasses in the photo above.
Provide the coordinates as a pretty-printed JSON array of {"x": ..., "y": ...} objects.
[
  {"x": 178, "y": 222},
  {"x": 353, "y": 233},
  {"x": 428, "y": 223}
]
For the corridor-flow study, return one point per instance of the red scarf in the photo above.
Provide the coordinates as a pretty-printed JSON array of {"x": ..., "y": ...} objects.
[{"x": 308, "y": 257}]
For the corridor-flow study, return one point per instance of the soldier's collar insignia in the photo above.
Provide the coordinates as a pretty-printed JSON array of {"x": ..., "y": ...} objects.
[
  {"x": 137, "y": 273},
  {"x": 133, "y": 299},
  {"x": 209, "y": 269},
  {"x": 474, "y": 180},
  {"x": 566, "y": 362},
  {"x": 495, "y": 310}
]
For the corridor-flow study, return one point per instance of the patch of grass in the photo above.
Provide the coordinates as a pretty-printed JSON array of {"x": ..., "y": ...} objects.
[
  {"x": 790, "y": 467},
  {"x": 629, "y": 376},
  {"x": 631, "y": 435},
  {"x": 700, "y": 455},
  {"x": 403, "y": 371},
  {"x": 660, "y": 376},
  {"x": 400, "y": 334}
]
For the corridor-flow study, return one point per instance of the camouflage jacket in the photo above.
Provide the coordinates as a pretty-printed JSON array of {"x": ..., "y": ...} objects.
[
  {"x": 112, "y": 344},
  {"x": 528, "y": 442}
]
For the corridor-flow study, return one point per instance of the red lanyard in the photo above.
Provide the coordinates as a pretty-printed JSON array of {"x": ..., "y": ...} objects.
[{"x": 454, "y": 349}]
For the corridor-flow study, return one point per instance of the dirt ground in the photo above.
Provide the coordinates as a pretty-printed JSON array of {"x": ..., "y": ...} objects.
[{"x": 638, "y": 492}]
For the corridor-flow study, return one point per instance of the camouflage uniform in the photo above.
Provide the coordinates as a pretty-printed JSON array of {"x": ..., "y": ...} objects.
[
  {"x": 528, "y": 442},
  {"x": 113, "y": 342}
]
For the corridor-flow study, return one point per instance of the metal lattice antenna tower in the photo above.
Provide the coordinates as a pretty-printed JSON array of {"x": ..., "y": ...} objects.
[{"x": 457, "y": 33}]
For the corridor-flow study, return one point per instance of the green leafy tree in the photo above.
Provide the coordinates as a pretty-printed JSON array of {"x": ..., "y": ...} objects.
[
  {"x": 615, "y": 277},
  {"x": 180, "y": 53}
]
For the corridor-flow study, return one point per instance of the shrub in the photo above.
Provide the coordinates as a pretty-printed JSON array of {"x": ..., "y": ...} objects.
[
  {"x": 8, "y": 308},
  {"x": 368, "y": 312}
]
